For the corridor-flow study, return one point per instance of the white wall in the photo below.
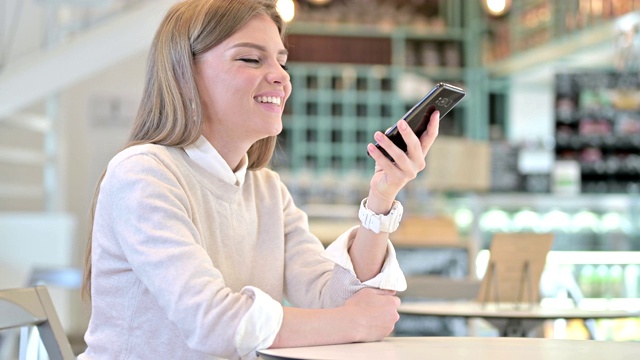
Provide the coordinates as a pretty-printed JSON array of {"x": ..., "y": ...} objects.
[
  {"x": 38, "y": 240},
  {"x": 89, "y": 138},
  {"x": 531, "y": 107},
  {"x": 95, "y": 116},
  {"x": 91, "y": 142},
  {"x": 94, "y": 136},
  {"x": 22, "y": 20}
]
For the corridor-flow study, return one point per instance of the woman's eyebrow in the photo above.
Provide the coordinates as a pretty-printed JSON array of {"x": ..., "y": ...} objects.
[{"x": 258, "y": 47}]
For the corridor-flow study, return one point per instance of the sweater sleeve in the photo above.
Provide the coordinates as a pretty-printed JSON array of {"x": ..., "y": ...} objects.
[
  {"x": 260, "y": 325},
  {"x": 149, "y": 214},
  {"x": 311, "y": 280},
  {"x": 390, "y": 277}
]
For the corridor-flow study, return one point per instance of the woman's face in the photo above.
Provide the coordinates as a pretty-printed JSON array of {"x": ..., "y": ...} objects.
[{"x": 243, "y": 86}]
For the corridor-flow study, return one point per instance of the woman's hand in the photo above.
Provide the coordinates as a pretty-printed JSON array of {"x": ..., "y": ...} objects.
[
  {"x": 368, "y": 250},
  {"x": 368, "y": 315},
  {"x": 372, "y": 313},
  {"x": 389, "y": 177}
]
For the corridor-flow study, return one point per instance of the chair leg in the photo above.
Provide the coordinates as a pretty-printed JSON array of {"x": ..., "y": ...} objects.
[
  {"x": 590, "y": 324},
  {"x": 24, "y": 343},
  {"x": 51, "y": 332}
]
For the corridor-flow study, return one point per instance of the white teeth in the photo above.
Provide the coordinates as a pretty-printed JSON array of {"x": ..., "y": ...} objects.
[{"x": 269, "y": 99}]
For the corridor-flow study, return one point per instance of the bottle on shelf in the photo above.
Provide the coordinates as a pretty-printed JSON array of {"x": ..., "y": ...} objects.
[
  {"x": 616, "y": 282},
  {"x": 632, "y": 280},
  {"x": 586, "y": 281}
]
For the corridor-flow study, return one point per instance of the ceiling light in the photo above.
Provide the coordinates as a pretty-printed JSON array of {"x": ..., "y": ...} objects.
[
  {"x": 286, "y": 9},
  {"x": 496, "y": 7}
]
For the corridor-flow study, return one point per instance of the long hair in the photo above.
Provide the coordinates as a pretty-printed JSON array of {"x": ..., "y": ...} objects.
[{"x": 170, "y": 112}]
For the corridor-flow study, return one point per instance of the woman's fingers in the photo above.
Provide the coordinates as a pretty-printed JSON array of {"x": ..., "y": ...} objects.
[
  {"x": 429, "y": 137},
  {"x": 391, "y": 176},
  {"x": 416, "y": 147},
  {"x": 389, "y": 147}
]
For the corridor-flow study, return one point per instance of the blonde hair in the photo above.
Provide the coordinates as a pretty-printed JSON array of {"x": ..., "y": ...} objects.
[{"x": 170, "y": 111}]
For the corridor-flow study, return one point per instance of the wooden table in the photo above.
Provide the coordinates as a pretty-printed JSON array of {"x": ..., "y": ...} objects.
[
  {"x": 459, "y": 348},
  {"x": 509, "y": 319}
]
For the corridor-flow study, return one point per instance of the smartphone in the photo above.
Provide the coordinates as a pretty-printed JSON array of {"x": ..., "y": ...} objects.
[{"x": 443, "y": 97}]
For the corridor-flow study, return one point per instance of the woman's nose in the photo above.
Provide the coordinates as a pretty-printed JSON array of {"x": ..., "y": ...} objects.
[{"x": 278, "y": 75}]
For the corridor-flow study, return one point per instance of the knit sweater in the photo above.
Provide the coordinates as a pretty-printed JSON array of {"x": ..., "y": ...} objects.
[{"x": 177, "y": 253}]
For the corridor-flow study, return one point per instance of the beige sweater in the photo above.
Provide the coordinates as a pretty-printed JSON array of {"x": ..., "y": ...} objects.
[{"x": 173, "y": 246}]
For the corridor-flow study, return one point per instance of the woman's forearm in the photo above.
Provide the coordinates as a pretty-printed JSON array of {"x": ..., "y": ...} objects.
[
  {"x": 369, "y": 315},
  {"x": 368, "y": 252},
  {"x": 309, "y": 327},
  {"x": 369, "y": 249}
]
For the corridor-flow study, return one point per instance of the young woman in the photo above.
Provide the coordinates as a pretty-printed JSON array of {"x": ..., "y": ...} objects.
[{"x": 196, "y": 244}]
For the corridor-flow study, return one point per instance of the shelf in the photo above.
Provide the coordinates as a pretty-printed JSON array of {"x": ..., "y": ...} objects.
[
  {"x": 351, "y": 80},
  {"x": 556, "y": 33},
  {"x": 543, "y": 202},
  {"x": 375, "y": 31},
  {"x": 555, "y": 51},
  {"x": 336, "y": 108},
  {"x": 573, "y": 142},
  {"x": 598, "y": 127},
  {"x": 443, "y": 73},
  {"x": 593, "y": 257},
  {"x": 585, "y": 222}
]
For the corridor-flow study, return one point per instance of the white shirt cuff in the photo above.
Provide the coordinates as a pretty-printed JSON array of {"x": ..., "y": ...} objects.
[
  {"x": 259, "y": 326},
  {"x": 390, "y": 277}
]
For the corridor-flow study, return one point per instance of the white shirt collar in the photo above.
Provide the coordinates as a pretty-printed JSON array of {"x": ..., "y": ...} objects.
[{"x": 205, "y": 155}]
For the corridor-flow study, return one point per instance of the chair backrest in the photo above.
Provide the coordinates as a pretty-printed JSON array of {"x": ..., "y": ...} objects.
[
  {"x": 516, "y": 262},
  {"x": 32, "y": 306}
]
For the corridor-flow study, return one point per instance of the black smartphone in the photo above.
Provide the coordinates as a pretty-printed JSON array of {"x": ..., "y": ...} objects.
[{"x": 443, "y": 97}]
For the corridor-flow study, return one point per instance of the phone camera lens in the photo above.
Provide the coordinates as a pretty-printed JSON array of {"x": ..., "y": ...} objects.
[{"x": 444, "y": 102}]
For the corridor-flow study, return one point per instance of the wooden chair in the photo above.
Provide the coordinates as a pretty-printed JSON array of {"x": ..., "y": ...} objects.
[
  {"x": 32, "y": 306},
  {"x": 515, "y": 267}
]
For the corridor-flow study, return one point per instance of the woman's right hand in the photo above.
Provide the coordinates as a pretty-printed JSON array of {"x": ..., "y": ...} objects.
[
  {"x": 368, "y": 315},
  {"x": 373, "y": 313}
]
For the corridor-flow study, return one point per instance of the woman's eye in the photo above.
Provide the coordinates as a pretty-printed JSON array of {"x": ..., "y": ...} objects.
[
  {"x": 284, "y": 67},
  {"x": 250, "y": 60}
]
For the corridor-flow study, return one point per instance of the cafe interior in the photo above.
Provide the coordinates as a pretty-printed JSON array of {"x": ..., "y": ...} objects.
[{"x": 529, "y": 204}]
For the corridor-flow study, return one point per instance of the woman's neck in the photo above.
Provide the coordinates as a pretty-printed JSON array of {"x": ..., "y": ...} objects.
[{"x": 231, "y": 151}]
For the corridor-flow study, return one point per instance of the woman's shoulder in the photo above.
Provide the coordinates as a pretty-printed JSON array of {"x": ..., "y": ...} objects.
[
  {"x": 265, "y": 175},
  {"x": 138, "y": 151},
  {"x": 143, "y": 155},
  {"x": 268, "y": 181}
]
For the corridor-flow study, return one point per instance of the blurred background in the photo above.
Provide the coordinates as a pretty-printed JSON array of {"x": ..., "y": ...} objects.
[{"x": 546, "y": 140}]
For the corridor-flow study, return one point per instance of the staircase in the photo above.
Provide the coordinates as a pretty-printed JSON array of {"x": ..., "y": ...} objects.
[{"x": 29, "y": 140}]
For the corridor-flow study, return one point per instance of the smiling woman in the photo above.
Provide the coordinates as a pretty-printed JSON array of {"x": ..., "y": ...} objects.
[
  {"x": 233, "y": 80},
  {"x": 196, "y": 244}
]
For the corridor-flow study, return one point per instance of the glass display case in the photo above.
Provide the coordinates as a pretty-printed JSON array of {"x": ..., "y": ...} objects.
[{"x": 595, "y": 258}]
